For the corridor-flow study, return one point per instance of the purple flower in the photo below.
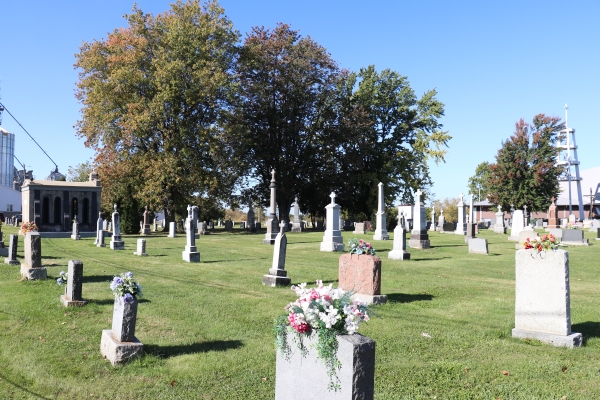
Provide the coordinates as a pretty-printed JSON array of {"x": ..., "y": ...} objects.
[
  {"x": 59, "y": 281},
  {"x": 128, "y": 298},
  {"x": 129, "y": 274}
]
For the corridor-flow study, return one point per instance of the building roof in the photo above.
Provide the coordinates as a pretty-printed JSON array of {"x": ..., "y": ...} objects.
[{"x": 41, "y": 182}]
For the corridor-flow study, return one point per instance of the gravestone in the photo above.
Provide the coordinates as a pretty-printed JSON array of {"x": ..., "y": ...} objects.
[
  {"x": 461, "y": 226},
  {"x": 594, "y": 225},
  {"x": 432, "y": 225},
  {"x": 297, "y": 224},
  {"x": 251, "y": 219},
  {"x": 441, "y": 222},
  {"x": 552, "y": 217},
  {"x": 195, "y": 220},
  {"x": 573, "y": 237},
  {"x": 242, "y": 224},
  {"x": 572, "y": 219},
  {"x": 399, "y": 250},
  {"x": 100, "y": 239},
  {"x": 211, "y": 225},
  {"x": 319, "y": 225},
  {"x": 499, "y": 225},
  {"x": 172, "y": 230},
  {"x": 380, "y": 231},
  {"x": 119, "y": 344},
  {"x": 538, "y": 223},
  {"x": 32, "y": 268},
  {"x": 146, "y": 223},
  {"x": 99, "y": 231},
  {"x": 12, "y": 250},
  {"x": 154, "y": 226},
  {"x": 228, "y": 225},
  {"x": 332, "y": 239},
  {"x": 361, "y": 274},
  {"x": 272, "y": 222},
  {"x": 542, "y": 298},
  {"x": 597, "y": 234},
  {"x": 557, "y": 232},
  {"x": 470, "y": 232},
  {"x": 523, "y": 236},
  {"x": 191, "y": 253},
  {"x": 141, "y": 248},
  {"x": 109, "y": 226},
  {"x": 257, "y": 225},
  {"x": 104, "y": 224},
  {"x": 449, "y": 227},
  {"x": 359, "y": 228},
  {"x": 75, "y": 231},
  {"x": 419, "y": 239},
  {"x": 478, "y": 246},
  {"x": 471, "y": 212},
  {"x": 116, "y": 243},
  {"x": 517, "y": 226},
  {"x": 277, "y": 275},
  {"x": 72, "y": 296}
]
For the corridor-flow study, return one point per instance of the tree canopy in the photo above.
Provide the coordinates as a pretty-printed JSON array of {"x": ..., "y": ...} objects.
[
  {"x": 80, "y": 172},
  {"x": 152, "y": 93},
  {"x": 479, "y": 183},
  {"x": 525, "y": 172}
]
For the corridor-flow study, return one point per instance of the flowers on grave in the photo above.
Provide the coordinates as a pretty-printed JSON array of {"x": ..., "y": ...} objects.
[
  {"x": 571, "y": 226},
  {"x": 322, "y": 311},
  {"x": 544, "y": 243},
  {"x": 27, "y": 227},
  {"x": 62, "y": 278},
  {"x": 360, "y": 247},
  {"x": 125, "y": 287}
]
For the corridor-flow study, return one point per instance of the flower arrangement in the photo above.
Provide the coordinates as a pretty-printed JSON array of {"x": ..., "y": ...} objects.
[
  {"x": 125, "y": 287},
  {"x": 545, "y": 243},
  {"x": 323, "y": 311},
  {"x": 27, "y": 227},
  {"x": 571, "y": 226},
  {"x": 62, "y": 278},
  {"x": 360, "y": 247}
]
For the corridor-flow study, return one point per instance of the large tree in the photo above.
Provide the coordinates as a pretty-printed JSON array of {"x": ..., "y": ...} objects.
[
  {"x": 281, "y": 116},
  {"x": 479, "y": 183},
  {"x": 525, "y": 172},
  {"x": 152, "y": 93}
]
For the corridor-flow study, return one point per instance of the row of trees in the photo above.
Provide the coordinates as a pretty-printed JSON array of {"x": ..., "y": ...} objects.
[
  {"x": 525, "y": 172},
  {"x": 179, "y": 111}
]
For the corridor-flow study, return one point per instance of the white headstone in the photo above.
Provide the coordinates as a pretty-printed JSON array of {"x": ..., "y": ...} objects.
[{"x": 332, "y": 240}]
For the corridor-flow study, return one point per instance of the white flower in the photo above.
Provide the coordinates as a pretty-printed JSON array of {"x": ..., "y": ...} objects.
[{"x": 329, "y": 317}]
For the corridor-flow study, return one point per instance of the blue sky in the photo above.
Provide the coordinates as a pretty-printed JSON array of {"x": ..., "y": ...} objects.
[{"x": 492, "y": 63}]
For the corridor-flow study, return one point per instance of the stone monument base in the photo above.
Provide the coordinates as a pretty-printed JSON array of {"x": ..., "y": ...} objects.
[
  {"x": 9, "y": 261},
  {"x": 331, "y": 246},
  {"x": 146, "y": 231},
  {"x": 75, "y": 237},
  {"x": 274, "y": 280},
  {"x": 399, "y": 255},
  {"x": 570, "y": 341},
  {"x": 119, "y": 352},
  {"x": 584, "y": 243},
  {"x": 67, "y": 302},
  {"x": 135, "y": 253},
  {"x": 190, "y": 256},
  {"x": 120, "y": 245},
  {"x": 419, "y": 244},
  {"x": 33, "y": 273},
  {"x": 370, "y": 298},
  {"x": 297, "y": 227}
]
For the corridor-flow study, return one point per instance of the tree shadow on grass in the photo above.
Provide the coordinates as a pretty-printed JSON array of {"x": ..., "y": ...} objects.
[
  {"x": 201, "y": 347},
  {"x": 588, "y": 330},
  {"x": 429, "y": 259},
  {"x": 448, "y": 245},
  {"x": 24, "y": 389},
  {"x": 239, "y": 259},
  {"x": 408, "y": 298}
]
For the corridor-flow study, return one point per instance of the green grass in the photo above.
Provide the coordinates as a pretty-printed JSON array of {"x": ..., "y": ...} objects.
[{"x": 206, "y": 327}]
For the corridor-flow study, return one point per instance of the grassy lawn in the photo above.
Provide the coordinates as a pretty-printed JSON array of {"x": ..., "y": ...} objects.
[{"x": 206, "y": 327}]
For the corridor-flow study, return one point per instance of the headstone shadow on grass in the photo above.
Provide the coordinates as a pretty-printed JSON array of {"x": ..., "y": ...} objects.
[
  {"x": 430, "y": 259},
  {"x": 310, "y": 282},
  {"x": 408, "y": 298},
  {"x": 199, "y": 347},
  {"x": 588, "y": 330},
  {"x": 97, "y": 278},
  {"x": 112, "y": 301}
]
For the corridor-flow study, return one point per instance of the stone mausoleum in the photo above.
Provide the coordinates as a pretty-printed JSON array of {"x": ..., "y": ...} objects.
[{"x": 53, "y": 205}]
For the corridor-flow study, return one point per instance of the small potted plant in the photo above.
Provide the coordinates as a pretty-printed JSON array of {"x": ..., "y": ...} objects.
[{"x": 315, "y": 321}]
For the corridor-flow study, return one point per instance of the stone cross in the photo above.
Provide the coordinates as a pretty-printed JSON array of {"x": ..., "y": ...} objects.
[
  {"x": 461, "y": 197},
  {"x": 332, "y": 195}
]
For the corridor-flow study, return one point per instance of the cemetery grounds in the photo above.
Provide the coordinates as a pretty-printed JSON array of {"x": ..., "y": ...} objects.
[{"x": 445, "y": 332}]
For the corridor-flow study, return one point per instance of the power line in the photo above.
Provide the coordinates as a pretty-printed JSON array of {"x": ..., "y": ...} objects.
[{"x": 3, "y": 107}]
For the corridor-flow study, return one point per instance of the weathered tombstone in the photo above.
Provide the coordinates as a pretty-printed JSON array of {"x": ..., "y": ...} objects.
[
  {"x": 32, "y": 267},
  {"x": 141, "y": 248},
  {"x": 296, "y": 375},
  {"x": 461, "y": 226},
  {"x": 573, "y": 237},
  {"x": 359, "y": 228},
  {"x": 12, "y": 250},
  {"x": 105, "y": 225},
  {"x": 478, "y": 246},
  {"x": 361, "y": 274},
  {"x": 172, "y": 230},
  {"x": 145, "y": 228},
  {"x": 228, "y": 225},
  {"x": 154, "y": 226},
  {"x": 399, "y": 250},
  {"x": 251, "y": 220},
  {"x": 119, "y": 344},
  {"x": 552, "y": 217},
  {"x": 499, "y": 225},
  {"x": 272, "y": 222},
  {"x": 75, "y": 232},
  {"x": 277, "y": 275},
  {"x": 594, "y": 225},
  {"x": 332, "y": 239},
  {"x": 517, "y": 226},
  {"x": 538, "y": 223},
  {"x": 441, "y": 221},
  {"x": 109, "y": 226},
  {"x": 542, "y": 298},
  {"x": 544, "y": 224},
  {"x": 419, "y": 239},
  {"x": 470, "y": 232},
  {"x": 380, "y": 231},
  {"x": 72, "y": 296},
  {"x": 191, "y": 253},
  {"x": 99, "y": 231},
  {"x": 297, "y": 224},
  {"x": 242, "y": 224},
  {"x": 257, "y": 225},
  {"x": 116, "y": 243},
  {"x": 432, "y": 226},
  {"x": 211, "y": 225},
  {"x": 448, "y": 227}
]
